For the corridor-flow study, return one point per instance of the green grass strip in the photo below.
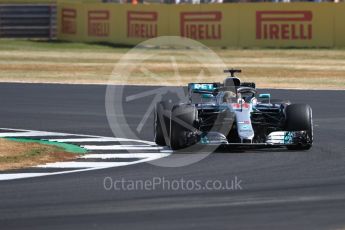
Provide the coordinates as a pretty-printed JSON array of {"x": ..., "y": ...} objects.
[
  {"x": 58, "y": 45},
  {"x": 67, "y": 147}
]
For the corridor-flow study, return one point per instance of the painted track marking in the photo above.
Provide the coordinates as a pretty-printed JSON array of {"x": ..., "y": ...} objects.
[
  {"x": 120, "y": 147},
  {"x": 123, "y": 155},
  {"x": 93, "y": 160}
]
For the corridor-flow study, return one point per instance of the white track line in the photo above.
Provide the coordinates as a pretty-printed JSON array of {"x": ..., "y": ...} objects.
[
  {"x": 87, "y": 139},
  {"x": 95, "y": 165},
  {"x": 120, "y": 147},
  {"x": 87, "y": 166},
  {"x": 11, "y": 176},
  {"x": 124, "y": 155},
  {"x": 95, "y": 139},
  {"x": 74, "y": 164},
  {"x": 32, "y": 134},
  {"x": 80, "y": 135}
]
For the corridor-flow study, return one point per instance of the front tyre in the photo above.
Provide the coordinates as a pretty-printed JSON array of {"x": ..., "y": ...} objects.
[
  {"x": 162, "y": 122},
  {"x": 299, "y": 118},
  {"x": 183, "y": 119}
]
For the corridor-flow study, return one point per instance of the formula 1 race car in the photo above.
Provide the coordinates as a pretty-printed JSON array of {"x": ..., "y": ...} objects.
[{"x": 232, "y": 113}]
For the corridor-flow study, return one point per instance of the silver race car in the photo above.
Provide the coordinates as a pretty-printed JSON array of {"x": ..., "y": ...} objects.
[{"x": 232, "y": 114}]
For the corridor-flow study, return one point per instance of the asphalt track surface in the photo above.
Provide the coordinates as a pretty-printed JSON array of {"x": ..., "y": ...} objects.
[{"x": 280, "y": 189}]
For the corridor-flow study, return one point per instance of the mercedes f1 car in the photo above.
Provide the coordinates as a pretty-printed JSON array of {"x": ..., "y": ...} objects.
[{"x": 232, "y": 113}]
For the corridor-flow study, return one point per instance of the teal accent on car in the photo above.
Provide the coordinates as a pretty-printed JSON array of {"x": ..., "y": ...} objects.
[{"x": 265, "y": 95}]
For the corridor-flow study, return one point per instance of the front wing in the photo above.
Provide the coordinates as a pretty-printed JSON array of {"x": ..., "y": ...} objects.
[{"x": 274, "y": 139}]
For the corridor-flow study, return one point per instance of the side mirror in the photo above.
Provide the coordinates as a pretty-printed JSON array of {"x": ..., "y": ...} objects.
[{"x": 264, "y": 95}]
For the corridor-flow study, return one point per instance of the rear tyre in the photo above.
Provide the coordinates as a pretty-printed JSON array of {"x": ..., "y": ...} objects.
[
  {"x": 299, "y": 118},
  {"x": 183, "y": 119},
  {"x": 162, "y": 122}
]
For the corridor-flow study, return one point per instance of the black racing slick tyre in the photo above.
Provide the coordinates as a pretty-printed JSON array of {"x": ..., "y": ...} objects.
[
  {"x": 183, "y": 118},
  {"x": 162, "y": 123},
  {"x": 299, "y": 118}
]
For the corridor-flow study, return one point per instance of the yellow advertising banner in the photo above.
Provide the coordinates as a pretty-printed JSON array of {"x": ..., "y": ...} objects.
[
  {"x": 286, "y": 25},
  {"x": 244, "y": 25},
  {"x": 339, "y": 28},
  {"x": 27, "y": 1},
  {"x": 137, "y": 23},
  {"x": 213, "y": 24},
  {"x": 70, "y": 22},
  {"x": 99, "y": 23},
  {"x": 120, "y": 23}
]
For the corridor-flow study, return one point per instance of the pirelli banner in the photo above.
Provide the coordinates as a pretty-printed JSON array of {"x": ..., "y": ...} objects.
[{"x": 232, "y": 25}]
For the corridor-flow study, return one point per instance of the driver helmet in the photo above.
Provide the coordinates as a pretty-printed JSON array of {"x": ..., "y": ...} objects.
[{"x": 228, "y": 96}]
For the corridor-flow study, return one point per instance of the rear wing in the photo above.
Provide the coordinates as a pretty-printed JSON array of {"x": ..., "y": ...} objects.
[
  {"x": 204, "y": 88},
  {"x": 211, "y": 89}
]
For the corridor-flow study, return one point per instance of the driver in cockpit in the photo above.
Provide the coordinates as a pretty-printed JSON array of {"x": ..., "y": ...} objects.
[{"x": 229, "y": 97}]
